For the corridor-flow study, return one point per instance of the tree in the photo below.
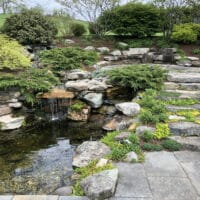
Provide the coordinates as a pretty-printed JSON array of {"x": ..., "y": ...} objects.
[
  {"x": 88, "y": 9},
  {"x": 5, "y": 5}
]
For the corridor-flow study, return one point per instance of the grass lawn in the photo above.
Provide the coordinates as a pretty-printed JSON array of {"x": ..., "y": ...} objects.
[{"x": 3, "y": 18}]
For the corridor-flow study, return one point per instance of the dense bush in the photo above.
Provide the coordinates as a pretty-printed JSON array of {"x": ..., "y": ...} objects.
[
  {"x": 186, "y": 33},
  {"x": 147, "y": 136},
  {"x": 78, "y": 29},
  {"x": 154, "y": 110},
  {"x": 137, "y": 77},
  {"x": 12, "y": 54},
  {"x": 135, "y": 19},
  {"x": 30, "y": 82},
  {"x": 171, "y": 145},
  {"x": 152, "y": 147},
  {"x": 30, "y": 27},
  {"x": 162, "y": 131},
  {"x": 67, "y": 58}
]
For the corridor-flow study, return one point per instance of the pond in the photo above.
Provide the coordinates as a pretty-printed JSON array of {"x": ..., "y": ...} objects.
[{"x": 38, "y": 160}]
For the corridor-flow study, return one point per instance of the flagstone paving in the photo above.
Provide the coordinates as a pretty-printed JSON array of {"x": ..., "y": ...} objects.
[{"x": 163, "y": 176}]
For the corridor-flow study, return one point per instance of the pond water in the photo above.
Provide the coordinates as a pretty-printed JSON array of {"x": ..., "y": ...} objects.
[{"x": 39, "y": 160}]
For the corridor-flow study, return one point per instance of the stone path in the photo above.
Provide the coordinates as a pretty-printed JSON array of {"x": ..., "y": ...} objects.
[{"x": 163, "y": 176}]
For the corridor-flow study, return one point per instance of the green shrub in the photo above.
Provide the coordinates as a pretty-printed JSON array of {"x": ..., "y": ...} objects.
[
  {"x": 154, "y": 110},
  {"x": 12, "y": 54},
  {"x": 78, "y": 29},
  {"x": 137, "y": 77},
  {"x": 151, "y": 147},
  {"x": 147, "y": 136},
  {"x": 67, "y": 58},
  {"x": 196, "y": 51},
  {"x": 135, "y": 19},
  {"x": 30, "y": 82},
  {"x": 162, "y": 131},
  {"x": 118, "y": 153},
  {"x": 77, "y": 106},
  {"x": 134, "y": 139},
  {"x": 171, "y": 145},
  {"x": 30, "y": 27},
  {"x": 109, "y": 139},
  {"x": 186, "y": 33}
]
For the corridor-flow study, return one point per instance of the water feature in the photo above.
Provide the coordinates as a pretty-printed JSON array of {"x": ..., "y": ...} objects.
[{"x": 38, "y": 160}]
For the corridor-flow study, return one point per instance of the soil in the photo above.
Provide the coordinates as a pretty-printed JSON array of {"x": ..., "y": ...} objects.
[{"x": 188, "y": 49}]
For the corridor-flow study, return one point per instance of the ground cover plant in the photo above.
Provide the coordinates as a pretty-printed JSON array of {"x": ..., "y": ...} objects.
[{"x": 67, "y": 58}]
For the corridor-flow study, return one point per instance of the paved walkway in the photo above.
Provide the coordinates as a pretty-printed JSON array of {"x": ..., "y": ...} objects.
[{"x": 163, "y": 176}]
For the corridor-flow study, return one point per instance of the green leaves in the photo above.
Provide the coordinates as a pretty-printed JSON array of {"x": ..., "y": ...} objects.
[
  {"x": 138, "y": 77},
  {"x": 67, "y": 58}
]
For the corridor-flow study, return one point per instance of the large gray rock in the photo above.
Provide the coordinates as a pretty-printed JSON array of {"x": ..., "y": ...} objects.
[
  {"x": 64, "y": 191},
  {"x": 86, "y": 84},
  {"x": 8, "y": 122},
  {"x": 15, "y": 105},
  {"x": 5, "y": 110},
  {"x": 78, "y": 74},
  {"x": 88, "y": 151},
  {"x": 131, "y": 157},
  {"x": 142, "y": 129},
  {"x": 100, "y": 186},
  {"x": 135, "y": 52},
  {"x": 196, "y": 63},
  {"x": 128, "y": 108},
  {"x": 184, "y": 77},
  {"x": 103, "y": 50},
  {"x": 111, "y": 58},
  {"x": 94, "y": 99},
  {"x": 193, "y": 58},
  {"x": 89, "y": 48},
  {"x": 116, "y": 53},
  {"x": 185, "y": 128}
]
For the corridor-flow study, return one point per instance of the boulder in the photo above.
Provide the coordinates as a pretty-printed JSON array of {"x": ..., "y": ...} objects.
[
  {"x": 107, "y": 110},
  {"x": 141, "y": 129},
  {"x": 78, "y": 75},
  {"x": 122, "y": 136},
  {"x": 186, "y": 63},
  {"x": 185, "y": 128},
  {"x": 89, "y": 48},
  {"x": 94, "y": 99},
  {"x": 57, "y": 93},
  {"x": 102, "y": 63},
  {"x": 68, "y": 41},
  {"x": 79, "y": 115},
  {"x": 193, "y": 58},
  {"x": 64, "y": 191},
  {"x": 118, "y": 123},
  {"x": 158, "y": 57},
  {"x": 86, "y": 84},
  {"x": 116, "y": 53},
  {"x": 111, "y": 58},
  {"x": 88, "y": 151},
  {"x": 15, "y": 105},
  {"x": 100, "y": 186},
  {"x": 131, "y": 157},
  {"x": 5, "y": 110},
  {"x": 11, "y": 123},
  {"x": 122, "y": 45},
  {"x": 135, "y": 52},
  {"x": 128, "y": 108},
  {"x": 103, "y": 50},
  {"x": 196, "y": 63}
]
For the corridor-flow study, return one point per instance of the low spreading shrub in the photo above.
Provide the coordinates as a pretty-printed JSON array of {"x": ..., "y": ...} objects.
[
  {"x": 196, "y": 51},
  {"x": 147, "y": 136},
  {"x": 137, "y": 77},
  {"x": 30, "y": 82},
  {"x": 171, "y": 145},
  {"x": 152, "y": 147},
  {"x": 67, "y": 58},
  {"x": 12, "y": 55},
  {"x": 30, "y": 27},
  {"x": 78, "y": 29}
]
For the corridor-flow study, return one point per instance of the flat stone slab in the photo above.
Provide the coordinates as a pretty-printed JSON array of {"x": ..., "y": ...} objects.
[
  {"x": 173, "y": 108},
  {"x": 73, "y": 198},
  {"x": 185, "y": 94},
  {"x": 184, "y": 77},
  {"x": 171, "y": 188},
  {"x": 187, "y": 156},
  {"x": 6, "y": 197},
  {"x": 185, "y": 128},
  {"x": 163, "y": 164},
  {"x": 35, "y": 197},
  {"x": 190, "y": 143},
  {"x": 132, "y": 182}
]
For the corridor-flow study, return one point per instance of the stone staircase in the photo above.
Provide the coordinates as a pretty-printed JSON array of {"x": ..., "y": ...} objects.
[{"x": 184, "y": 83}]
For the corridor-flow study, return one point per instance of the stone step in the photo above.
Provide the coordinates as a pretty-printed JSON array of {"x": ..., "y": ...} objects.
[
  {"x": 178, "y": 68},
  {"x": 189, "y": 143},
  {"x": 183, "y": 77},
  {"x": 182, "y": 86},
  {"x": 173, "y": 108},
  {"x": 184, "y": 94},
  {"x": 185, "y": 129}
]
